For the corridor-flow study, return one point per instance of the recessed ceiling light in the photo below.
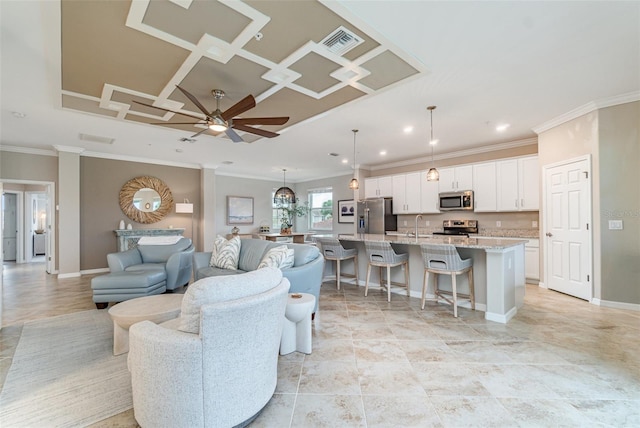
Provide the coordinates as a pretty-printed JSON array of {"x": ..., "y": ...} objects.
[
  {"x": 433, "y": 142},
  {"x": 178, "y": 150},
  {"x": 334, "y": 154},
  {"x": 18, "y": 115},
  {"x": 345, "y": 160},
  {"x": 383, "y": 152},
  {"x": 408, "y": 129},
  {"x": 227, "y": 162},
  {"x": 502, "y": 127}
]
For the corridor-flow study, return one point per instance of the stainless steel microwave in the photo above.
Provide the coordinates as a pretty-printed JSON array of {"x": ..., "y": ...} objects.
[{"x": 456, "y": 201}]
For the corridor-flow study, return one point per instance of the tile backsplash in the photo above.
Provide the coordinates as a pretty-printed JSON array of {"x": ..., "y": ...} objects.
[{"x": 511, "y": 224}]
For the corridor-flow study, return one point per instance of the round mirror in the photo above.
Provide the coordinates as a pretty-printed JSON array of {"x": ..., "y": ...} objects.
[{"x": 145, "y": 199}]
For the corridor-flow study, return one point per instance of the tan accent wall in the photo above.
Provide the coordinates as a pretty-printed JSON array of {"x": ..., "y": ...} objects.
[
  {"x": 22, "y": 166},
  {"x": 100, "y": 213},
  {"x": 619, "y": 182}
]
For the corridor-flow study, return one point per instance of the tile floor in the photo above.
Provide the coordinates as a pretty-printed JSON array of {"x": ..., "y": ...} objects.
[{"x": 560, "y": 362}]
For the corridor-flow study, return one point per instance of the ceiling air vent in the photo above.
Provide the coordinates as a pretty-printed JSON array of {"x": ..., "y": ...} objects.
[
  {"x": 341, "y": 41},
  {"x": 96, "y": 139}
]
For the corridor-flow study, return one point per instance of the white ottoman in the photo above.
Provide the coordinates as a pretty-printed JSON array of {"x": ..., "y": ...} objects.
[{"x": 296, "y": 334}]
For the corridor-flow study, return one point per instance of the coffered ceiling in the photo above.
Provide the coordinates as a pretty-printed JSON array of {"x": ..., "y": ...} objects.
[
  {"x": 71, "y": 70},
  {"x": 298, "y": 59}
]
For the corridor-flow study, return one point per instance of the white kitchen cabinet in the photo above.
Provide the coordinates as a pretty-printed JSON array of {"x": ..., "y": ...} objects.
[
  {"x": 532, "y": 259},
  {"x": 529, "y": 183},
  {"x": 484, "y": 187},
  {"x": 378, "y": 187},
  {"x": 429, "y": 195},
  {"x": 406, "y": 193},
  {"x": 455, "y": 179},
  {"x": 518, "y": 184}
]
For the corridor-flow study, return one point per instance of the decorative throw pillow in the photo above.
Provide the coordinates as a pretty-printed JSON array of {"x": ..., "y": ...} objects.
[
  {"x": 225, "y": 253},
  {"x": 279, "y": 257}
]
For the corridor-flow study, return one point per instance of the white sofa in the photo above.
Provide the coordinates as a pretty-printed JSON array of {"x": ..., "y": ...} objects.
[{"x": 216, "y": 365}]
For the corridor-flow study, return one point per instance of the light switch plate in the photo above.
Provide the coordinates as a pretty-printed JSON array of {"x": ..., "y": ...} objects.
[
  {"x": 615, "y": 225},
  {"x": 498, "y": 223},
  {"x": 427, "y": 223},
  {"x": 534, "y": 223}
]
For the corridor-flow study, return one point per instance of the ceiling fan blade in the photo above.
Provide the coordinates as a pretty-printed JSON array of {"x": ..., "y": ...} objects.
[
  {"x": 261, "y": 132},
  {"x": 233, "y": 135},
  {"x": 176, "y": 123},
  {"x": 247, "y": 103},
  {"x": 261, "y": 120},
  {"x": 170, "y": 111},
  {"x": 204, "y": 130},
  {"x": 194, "y": 100}
]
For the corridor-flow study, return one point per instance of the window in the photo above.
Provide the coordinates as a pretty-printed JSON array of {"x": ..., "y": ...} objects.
[{"x": 321, "y": 209}]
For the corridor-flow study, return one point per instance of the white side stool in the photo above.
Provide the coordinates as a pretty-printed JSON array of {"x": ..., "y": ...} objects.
[{"x": 296, "y": 333}]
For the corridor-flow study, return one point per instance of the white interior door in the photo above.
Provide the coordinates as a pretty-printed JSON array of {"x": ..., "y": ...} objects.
[{"x": 568, "y": 223}]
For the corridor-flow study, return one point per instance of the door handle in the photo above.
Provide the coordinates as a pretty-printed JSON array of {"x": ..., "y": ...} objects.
[{"x": 549, "y": 234}]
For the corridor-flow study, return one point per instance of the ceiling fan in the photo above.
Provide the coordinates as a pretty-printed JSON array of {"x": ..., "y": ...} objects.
[{"x": 225, "y": 121}]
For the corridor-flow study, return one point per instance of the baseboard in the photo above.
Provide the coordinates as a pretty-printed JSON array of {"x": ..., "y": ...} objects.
[
  {"x": 542, "y": 285},
  {"x": 69, "y": 275},
  {"x": 490, "y": 316},
  {"x": 94, "y": 271},
  {"x": 616, "y": 305}
]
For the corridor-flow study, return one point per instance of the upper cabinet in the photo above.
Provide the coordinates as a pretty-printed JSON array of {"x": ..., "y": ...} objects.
[
  {"x": 429, "y": 196},
  {"x": 378, "y": 187},
  {"x": 456, "y": 178},
  {"x": 406, "y": 193},
  {"x": 518, "y": 184},
  {"x": 484, "y": 187}
]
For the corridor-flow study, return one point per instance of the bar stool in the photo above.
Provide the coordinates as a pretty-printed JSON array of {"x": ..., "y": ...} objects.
[
  {"x": 444, "y": 259},
  {"x": 333, "y": 250},
  {"x": 381, "y": 254}
]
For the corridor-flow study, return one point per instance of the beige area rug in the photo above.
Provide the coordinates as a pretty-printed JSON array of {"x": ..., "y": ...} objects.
[{"x": 64, "y": 374}]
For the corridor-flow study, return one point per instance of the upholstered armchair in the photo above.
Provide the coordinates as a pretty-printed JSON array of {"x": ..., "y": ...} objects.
[
  {"x": 215, "y": 365},
  {"x": 176, "y": 260}
]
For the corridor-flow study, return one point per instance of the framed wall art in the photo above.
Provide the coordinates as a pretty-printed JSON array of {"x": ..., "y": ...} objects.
[
  {"x": 239, "y": 210},
  {"x": 346, "y": 211}
]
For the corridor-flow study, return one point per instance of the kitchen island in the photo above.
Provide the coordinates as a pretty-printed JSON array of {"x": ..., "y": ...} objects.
[{"x": 498, "y": 268}]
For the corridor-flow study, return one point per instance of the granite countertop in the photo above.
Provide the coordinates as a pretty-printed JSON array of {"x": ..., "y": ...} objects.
[{"x": 458, "y": 241}]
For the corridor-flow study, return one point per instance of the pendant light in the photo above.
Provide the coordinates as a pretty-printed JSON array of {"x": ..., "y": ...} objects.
[
  {"x": 432, "y": 174},
  {"x": 353, "y": 184},
  {"x": 284, "y": 195}
]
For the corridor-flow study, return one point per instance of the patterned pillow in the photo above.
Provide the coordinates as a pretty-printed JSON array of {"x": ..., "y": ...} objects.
[
  {"x": 279, "y": 257},
  {"x": 225, "y": 254}
]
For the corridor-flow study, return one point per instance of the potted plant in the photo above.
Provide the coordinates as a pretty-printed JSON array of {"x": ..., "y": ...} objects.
[{"x": 288, "y": 212}]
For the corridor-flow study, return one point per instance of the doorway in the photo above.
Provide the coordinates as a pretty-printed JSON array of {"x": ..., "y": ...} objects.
[
  {"x": 27, "y": 222},
  {"x": 568, "y": 238}
]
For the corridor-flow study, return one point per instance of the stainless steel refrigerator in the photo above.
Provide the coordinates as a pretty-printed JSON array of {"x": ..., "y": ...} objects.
[{"x": 376, "y": 216}]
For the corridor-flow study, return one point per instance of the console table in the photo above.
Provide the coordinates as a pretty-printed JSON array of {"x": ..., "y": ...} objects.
[{"x": 128, "y": 238}]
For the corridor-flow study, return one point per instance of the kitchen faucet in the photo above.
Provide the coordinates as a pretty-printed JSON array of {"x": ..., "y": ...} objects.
[{"x": 418, "y": 217}]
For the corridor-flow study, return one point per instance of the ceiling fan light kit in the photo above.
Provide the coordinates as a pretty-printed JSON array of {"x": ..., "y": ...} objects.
[
  {"x": 353, "y": 184},
  {"x": 432, "y": 174}
]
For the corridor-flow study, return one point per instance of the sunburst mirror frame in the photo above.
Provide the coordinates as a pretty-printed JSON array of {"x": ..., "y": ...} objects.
[{"x": 145, "y": 182}]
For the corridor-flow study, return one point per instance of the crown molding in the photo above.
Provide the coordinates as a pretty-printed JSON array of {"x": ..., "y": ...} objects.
[
  {"x": 457, "y": 154},
  {"x": 68, "y": 149},
  {"x": 591, "y": 106},
  {"x": 28, "y": 150}
]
